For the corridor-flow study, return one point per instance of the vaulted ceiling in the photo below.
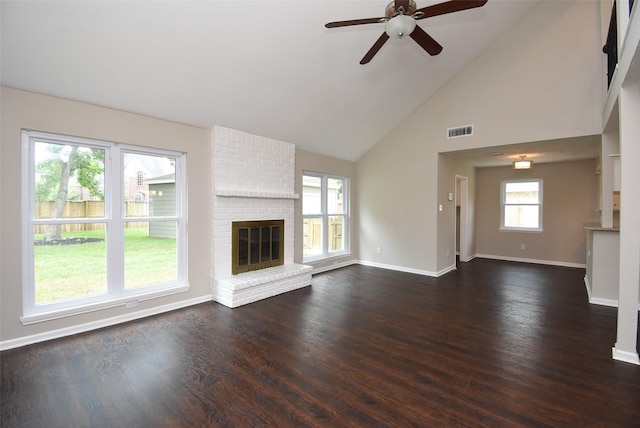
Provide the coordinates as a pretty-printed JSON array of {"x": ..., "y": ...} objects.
[{"x": 266, "y": 67}]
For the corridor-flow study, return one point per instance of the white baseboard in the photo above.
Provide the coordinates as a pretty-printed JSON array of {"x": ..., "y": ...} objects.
[
  {"x": 536, "y": 261},
  {"x": 587, "y": 285},
  {"x": 94, "y": 325},
  {"x": 627, "y": 357},
  {"x": 603, "y": 302},
  {"x": 398, "y": 268},
  {"x": 446, "y": 270},
  {"x": 600, "y": 301}
]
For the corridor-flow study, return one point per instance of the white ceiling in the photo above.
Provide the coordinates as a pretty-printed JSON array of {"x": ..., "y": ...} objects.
[{"x": 266, "y": 67}]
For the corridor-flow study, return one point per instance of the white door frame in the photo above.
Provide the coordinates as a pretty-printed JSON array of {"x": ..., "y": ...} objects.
[{"x": 464, "y": 248}]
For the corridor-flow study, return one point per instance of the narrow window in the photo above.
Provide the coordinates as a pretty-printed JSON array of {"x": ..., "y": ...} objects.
[{"x": 325, "y": 215}]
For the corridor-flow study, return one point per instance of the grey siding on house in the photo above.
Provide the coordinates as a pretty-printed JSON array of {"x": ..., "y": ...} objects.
[{"x": 162, "y": 202}]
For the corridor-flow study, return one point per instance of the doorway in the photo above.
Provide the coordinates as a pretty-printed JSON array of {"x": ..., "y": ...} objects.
[{"x": 460, "y": 233}]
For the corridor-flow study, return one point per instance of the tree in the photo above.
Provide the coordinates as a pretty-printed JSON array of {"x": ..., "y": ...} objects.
[{"x": 54, "y": 173}]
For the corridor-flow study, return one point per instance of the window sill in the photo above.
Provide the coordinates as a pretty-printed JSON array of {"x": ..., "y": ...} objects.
[
  {"x": 324, "y": 258},
  {"x": 509, "y": 229},
  {"x": 132, "y": 300}
]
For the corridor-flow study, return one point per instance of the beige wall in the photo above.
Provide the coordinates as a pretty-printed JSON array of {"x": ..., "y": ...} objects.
[
  {"x": 542, "y": 80},
  {"x": 307, "y": 161},
  {"x": 38, "y": 112},
  {"x": 569, "y": 200}
]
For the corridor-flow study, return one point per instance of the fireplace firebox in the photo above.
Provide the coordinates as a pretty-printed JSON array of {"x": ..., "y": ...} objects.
[{"x": 256, "y": 245}]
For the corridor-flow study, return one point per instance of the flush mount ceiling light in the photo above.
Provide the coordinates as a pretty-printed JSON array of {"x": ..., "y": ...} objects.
[{"x": 522, "y": 164}]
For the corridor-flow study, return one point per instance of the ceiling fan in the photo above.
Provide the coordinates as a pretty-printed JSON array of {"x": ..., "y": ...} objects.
[{"x": 400, "y": 17}]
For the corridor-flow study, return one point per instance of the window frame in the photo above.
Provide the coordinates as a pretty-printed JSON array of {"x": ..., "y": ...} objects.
[
  {"x": 503, "y": 205},
  {"x": 324, "y": 216},
  {"x": 114, "y": 220}
]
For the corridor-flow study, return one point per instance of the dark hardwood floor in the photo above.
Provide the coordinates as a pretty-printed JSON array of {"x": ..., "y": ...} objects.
[{"x": 493, "y": 344}]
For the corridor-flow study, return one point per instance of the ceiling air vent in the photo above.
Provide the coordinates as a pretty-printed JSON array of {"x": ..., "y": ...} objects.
[{"x": 461, "y": 131}]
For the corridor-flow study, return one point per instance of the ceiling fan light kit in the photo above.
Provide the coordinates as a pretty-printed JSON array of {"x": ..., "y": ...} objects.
[
  {"x": 400, "y": 26},
  {"x": 400, "y": 18}
]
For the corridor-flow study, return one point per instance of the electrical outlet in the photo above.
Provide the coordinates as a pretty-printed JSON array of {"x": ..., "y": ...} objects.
[
  {"x": 378, "y": 250},
  {"x": 131, "y": 304}
]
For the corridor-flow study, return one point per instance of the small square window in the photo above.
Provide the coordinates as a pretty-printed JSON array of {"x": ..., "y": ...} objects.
[{"x": 521, "y": 205}]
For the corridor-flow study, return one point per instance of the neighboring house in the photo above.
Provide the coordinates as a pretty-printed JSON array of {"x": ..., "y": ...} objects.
[
  {"x": 138, "y": 169},
  {"x": 162, "y": 197}
]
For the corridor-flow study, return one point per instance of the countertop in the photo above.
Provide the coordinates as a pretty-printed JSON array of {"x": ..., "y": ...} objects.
[{"x": 598, "y": 227}]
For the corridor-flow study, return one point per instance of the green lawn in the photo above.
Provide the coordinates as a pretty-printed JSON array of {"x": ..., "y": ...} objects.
[{"x": 65, "y": 272}]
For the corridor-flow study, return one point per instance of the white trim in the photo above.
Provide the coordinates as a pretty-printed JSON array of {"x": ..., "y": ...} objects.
[
  {"x": 115, "y": 294},
  {"x": 99, "y": 305},
  {"x": 468, "y": 259},
  {"x": 324, "y": 215},
  {"x": 447, "y": 270},
  {"x": 94, "y": 325},
  {"x": 398, "y": 268},
  {"x": 333, "y": 266},
  {"x": 587, "y": 285},
  {"x": 463, "y": 251},
  {"x": 408, "y": 269},
  {"x": 521, "y": 230},
  {"x": 627, "y": 357},
  {"x": 503, "y": 189},
  {"x": 603, "y": 302},
  {"x": 536, "y": 261},
  {"x": 598, "y": 300}
]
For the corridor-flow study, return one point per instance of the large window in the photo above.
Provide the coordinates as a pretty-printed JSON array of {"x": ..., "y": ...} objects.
[
  {"x": 521, "y": 208},
  {"x": 325, "y": 215},
  {"x": 90, "y": 240}
]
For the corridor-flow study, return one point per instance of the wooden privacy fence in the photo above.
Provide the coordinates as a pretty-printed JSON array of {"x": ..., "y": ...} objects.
[
  {"x": 313, "y": 237},
  {"x": 89, "y": 209}
]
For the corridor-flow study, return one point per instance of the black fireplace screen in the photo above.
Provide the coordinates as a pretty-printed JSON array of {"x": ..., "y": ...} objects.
[{"x": 256, "y": 245}]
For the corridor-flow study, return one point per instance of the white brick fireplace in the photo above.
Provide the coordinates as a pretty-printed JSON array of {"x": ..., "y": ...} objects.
[{"x": 254, "y": 179}]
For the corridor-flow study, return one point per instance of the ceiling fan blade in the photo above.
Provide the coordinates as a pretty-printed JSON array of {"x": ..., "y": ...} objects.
[
  {"x": 426, "y": 41},
  {"x": 375, "y": 48},
  {"x": 404, "y": 4},
  {"x": 448, "y": 7},
  {"x": 355, "y": 22}
]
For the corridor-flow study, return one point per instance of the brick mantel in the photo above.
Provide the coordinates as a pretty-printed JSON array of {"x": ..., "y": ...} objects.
[
  {"x": 254, "y": 179},
  {"x": 249, "y": 194}
]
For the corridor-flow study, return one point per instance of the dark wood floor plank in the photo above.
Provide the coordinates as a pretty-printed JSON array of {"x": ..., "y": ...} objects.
[{"x": 494, "y": 344}]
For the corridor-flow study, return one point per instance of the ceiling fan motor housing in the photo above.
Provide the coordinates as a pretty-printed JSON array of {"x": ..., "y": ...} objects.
[{"x": 391, "y": 11}]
